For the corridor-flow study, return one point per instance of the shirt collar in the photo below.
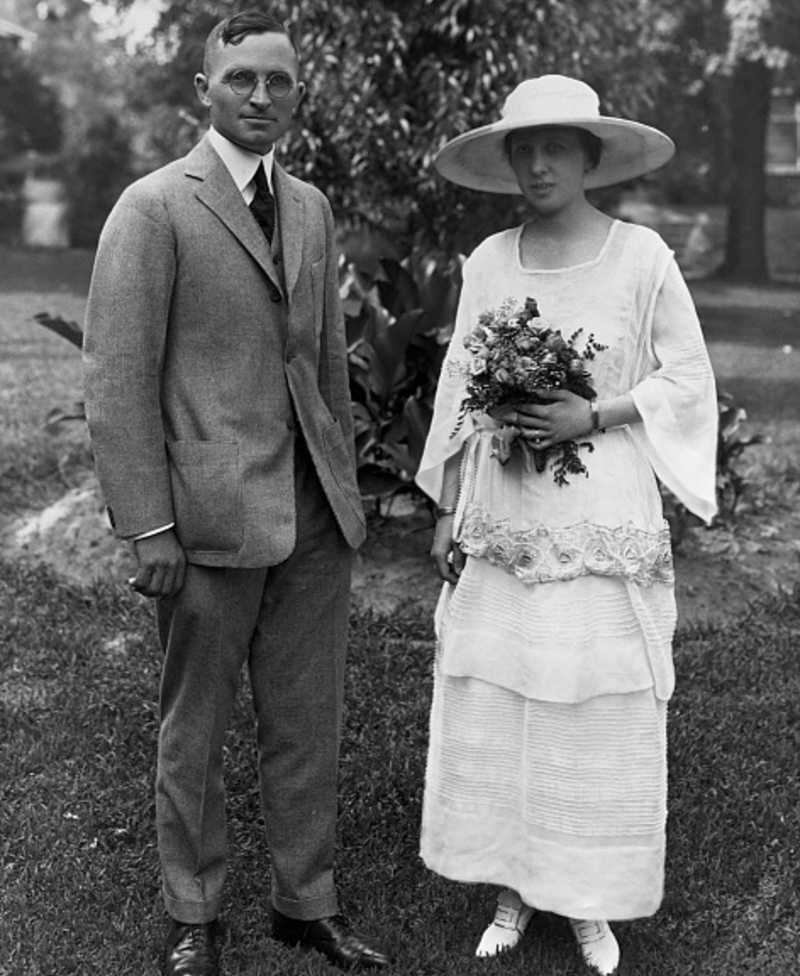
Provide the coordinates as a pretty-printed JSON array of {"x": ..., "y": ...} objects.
[{"x": 241, "y": 163}]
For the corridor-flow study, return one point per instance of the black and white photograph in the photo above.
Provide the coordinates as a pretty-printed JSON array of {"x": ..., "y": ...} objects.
[{"x": 399, "y": 487}]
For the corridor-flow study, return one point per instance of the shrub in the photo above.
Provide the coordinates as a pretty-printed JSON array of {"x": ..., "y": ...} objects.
[
  {"x": 96, "y": 176},
  {"x": 399, "y": 317},
  {"x": 731, "y": 483}
]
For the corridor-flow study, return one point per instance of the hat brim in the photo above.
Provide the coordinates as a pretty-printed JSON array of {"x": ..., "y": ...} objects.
[{"x": 478, "y": 160}]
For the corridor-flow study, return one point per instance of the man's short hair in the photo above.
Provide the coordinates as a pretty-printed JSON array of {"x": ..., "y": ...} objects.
[{"x": 235, "y": 28}]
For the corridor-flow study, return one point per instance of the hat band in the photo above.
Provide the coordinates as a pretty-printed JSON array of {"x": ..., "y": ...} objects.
[{"x": 539, "y": 109}]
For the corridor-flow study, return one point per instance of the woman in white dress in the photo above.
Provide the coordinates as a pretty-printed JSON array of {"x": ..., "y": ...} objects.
[{"x": 547, "y": 767}]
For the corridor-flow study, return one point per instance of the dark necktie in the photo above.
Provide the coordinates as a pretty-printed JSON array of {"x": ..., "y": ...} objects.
[{"x": 263, "y": 203}]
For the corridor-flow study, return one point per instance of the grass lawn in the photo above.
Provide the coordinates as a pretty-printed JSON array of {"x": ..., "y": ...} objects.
[
  {"x": 78, "y": 723},
  {"x": 38, "y": 371}
]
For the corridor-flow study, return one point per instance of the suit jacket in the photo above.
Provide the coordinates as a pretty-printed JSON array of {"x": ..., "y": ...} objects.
[{"x": 200, "y": 359}]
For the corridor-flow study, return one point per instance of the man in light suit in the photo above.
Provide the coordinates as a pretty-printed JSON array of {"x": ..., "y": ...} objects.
[{"x": 218, "y": 403}]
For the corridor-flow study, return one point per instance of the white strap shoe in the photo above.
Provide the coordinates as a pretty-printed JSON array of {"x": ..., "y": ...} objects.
[
  {"x": 598, "y": 945},
  {"x": 510, "y": 921}
]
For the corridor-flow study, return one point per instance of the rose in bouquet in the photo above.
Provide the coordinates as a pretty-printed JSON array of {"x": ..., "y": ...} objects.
[{"x": 514, "y": 354}]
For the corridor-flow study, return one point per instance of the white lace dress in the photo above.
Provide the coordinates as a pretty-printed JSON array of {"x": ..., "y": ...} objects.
[{"x": 547, "y": 759}]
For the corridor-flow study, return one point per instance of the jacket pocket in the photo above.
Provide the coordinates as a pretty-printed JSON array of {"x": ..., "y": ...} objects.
[{"x": 207, "y": 495}]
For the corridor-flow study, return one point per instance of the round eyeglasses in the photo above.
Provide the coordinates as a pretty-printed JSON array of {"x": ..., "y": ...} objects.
[{"x": 243, "y": 82}]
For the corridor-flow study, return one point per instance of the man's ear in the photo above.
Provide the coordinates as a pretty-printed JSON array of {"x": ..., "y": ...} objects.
[
  {"x": 301, "y": 87},
  {"x": 201, "y": 87}
]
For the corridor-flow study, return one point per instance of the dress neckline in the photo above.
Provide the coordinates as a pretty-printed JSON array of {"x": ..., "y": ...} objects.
[{"x": 571, "y": 267}]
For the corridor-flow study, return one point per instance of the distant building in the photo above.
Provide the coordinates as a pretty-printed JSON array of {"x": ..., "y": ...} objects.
[{"x": 34, "y": 191}]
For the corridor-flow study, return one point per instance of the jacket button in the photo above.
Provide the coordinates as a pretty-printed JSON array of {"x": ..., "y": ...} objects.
[
  {"x": 290, "y": 424},
  {"x": 275, "y": 295}
]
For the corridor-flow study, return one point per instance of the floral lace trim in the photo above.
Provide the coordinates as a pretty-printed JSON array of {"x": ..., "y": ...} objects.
[
  {"x": 544, "y": 555},
  {"x": 455, "y": 365}
]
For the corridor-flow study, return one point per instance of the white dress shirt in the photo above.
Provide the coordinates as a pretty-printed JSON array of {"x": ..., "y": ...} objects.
[{"x": 241, "y": 163}]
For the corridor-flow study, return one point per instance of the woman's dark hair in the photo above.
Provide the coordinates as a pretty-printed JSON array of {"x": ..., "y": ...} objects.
[
  {"x": 235, "y": 28},
  {"x": 592, "y": 144}
]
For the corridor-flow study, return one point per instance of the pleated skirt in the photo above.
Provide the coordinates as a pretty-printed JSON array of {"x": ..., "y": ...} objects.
[{"x": 564, "y": 802}]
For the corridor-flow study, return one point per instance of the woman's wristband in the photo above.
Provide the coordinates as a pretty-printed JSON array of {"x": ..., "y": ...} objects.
[
  {"x": 595, "y": 415},
  {"x": 444, "y": 510}
]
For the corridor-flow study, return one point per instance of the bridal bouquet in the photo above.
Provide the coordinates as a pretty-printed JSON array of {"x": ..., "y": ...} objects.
[{"x": 513, "y": 352}]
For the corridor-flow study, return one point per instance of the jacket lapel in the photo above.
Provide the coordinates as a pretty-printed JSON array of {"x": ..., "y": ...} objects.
[
  {"x": 217, "y": 191},
  {"x": 291, "y": 214}
]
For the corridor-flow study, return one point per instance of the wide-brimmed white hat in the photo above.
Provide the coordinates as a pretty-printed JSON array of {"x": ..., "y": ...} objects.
[{"x": 478, "y": 159}]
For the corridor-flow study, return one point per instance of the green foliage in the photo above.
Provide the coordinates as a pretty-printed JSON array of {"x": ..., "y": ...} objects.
[
  {"x": 59, "y": 415},
  {"x": 67, "y": 329},
  {"x": 399, "y": 316},
  {"x": 731, "y": 482},
  {"x": 11, "y": 206},
  {"x": 97, "y": 172},
  {"x": 389, "y": 82},
  {"x": 30, "y": 113}
]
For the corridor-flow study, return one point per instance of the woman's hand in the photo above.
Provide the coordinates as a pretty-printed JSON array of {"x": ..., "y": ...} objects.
[
  {"x": 504, "y": 414},
  {"x": 446, "y": 552},
  {"x": 566, "y": 417}
]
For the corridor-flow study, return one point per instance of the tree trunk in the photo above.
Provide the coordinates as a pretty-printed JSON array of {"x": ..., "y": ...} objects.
[{"x": 745, "y": 250}]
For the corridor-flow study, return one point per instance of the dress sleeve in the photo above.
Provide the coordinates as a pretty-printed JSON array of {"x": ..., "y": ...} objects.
[
  {"x": 446, "y": 436},
  {"x": 677, "y": 400}
]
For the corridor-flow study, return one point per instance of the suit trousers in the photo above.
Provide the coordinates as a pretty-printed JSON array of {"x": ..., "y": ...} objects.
[{"x": 288, "y": 624}]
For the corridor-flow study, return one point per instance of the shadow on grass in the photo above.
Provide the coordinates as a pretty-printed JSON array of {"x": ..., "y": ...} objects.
[
  {"x": 774, "y": 400},
  {"x": 78, "y": 730},
  {"x": 45, "y": 271},
  {"x": 765, "y": 327}
]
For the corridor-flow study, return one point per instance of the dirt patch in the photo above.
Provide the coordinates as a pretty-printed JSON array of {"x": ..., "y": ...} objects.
[
  {"x": 73, "y": 536},
  {"x": 718, "y": 571},
  {"x": 394, "y": 566}
]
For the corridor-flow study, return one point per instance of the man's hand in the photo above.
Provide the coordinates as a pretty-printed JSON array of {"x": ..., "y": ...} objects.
[
  {"x": 447, "y": 554},
  {"x": 162, "y": 565}
]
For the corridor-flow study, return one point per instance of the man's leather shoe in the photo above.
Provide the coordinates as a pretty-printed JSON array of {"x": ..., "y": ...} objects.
[
  {"x": 333, "y": 937},
  {"x": 191, "y": 950}
]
